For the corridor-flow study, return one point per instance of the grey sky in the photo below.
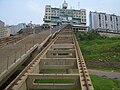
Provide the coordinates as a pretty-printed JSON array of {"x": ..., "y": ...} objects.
[{"x": 17, "y": 11}]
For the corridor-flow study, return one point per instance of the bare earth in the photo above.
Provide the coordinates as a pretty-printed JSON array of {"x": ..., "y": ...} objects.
[
  {"x": 97, "y": 64},
  {"x": 105, "y": 74}
]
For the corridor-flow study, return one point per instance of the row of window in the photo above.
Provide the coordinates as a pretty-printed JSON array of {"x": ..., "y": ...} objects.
[
  {"x": 56, "y": 11},
  {"x": 106, "y": 25},
  {"x": 80, "y": 29},
  {"x": 106, "y": 18},
  {"x": 47, "y": 17},
  {"x": 83, "y": 17}
]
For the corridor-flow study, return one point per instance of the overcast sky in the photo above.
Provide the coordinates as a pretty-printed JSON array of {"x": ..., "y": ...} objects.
[{"x": 19, "y": 11}]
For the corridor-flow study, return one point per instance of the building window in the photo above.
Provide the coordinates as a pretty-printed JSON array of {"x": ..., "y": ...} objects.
[
  {"x": 116, "y": 19},
  {"x": 105, "y": 17},
  {"x": 99, "y": 24},
  {"x": 111, "y": 26},
  {"x": 99, "y": 17},
  {"x": 85, "y": 20},
  {"x": 110, "y": 18},
  {"x": 106, "y": 25},
  {"x": 49, "y": 17}
]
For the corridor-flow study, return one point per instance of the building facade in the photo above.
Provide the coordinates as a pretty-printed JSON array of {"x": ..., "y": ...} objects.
[
  {"x": 16, "y": 28},
  {"x": 5, "y": 32},
  {"x": 2, "y": 24},
  {"x": 54, "y": 15},
  {"x": 103, "y": 22}
]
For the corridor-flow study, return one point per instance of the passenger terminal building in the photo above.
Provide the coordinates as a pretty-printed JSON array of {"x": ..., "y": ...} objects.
[{"x": 64, "y": 15}]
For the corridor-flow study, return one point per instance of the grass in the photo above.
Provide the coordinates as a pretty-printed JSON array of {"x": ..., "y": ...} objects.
[
  {"x": 104, "y": 84},
  {"x": 56, "y": 81},
  {"x": 101, "y": 49},
  {"x": 97, "y": 48}
]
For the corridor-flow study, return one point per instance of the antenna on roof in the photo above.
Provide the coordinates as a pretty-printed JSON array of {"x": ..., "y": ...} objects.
[{"x": 78, "y": 5}]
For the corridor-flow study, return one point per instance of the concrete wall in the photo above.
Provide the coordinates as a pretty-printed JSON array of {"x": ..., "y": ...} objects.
[
  {"x": 33, "y": 69},
  {"x": 7, "y": 73}
]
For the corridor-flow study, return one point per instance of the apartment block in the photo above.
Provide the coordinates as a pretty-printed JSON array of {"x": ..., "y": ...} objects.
[{"x": 103, "y": 22}]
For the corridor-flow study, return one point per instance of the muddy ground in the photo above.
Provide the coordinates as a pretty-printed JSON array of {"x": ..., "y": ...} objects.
[{"x": 98, "y": 64}]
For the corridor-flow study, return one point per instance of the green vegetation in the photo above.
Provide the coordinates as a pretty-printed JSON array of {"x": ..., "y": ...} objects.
[
  {"x": 56, "y": 81},
  {"x": 97, "y": 48},
  {"x": 104, "y": 84},
  {"x": 104, "y": 51}
]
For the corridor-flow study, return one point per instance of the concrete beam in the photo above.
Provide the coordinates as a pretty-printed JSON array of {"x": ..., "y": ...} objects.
[
  {"x": 57, "y": 53},
  {"x": 32, "y": 77},
  {"x": 49, "y": 63},
  {"x": 64, "y": 41},
  {"x": 69, "y": 46},
  {"x": 60, "y": 55},
  {"x": 61, "y": 51}
]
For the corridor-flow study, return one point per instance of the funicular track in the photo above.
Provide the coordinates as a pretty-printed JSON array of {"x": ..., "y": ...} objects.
[{"x": 60, "y": 65}]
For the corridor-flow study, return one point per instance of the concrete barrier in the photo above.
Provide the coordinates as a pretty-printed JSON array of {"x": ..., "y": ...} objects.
[{"x": 7, "y": 73}]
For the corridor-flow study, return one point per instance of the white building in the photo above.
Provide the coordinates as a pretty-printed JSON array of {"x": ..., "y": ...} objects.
[
  {"x": 103, "y": 22},
  {"x": 64, "y": 15}
]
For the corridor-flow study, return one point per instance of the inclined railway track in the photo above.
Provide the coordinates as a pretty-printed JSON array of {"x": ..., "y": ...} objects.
[
  {"x": 62, "y": 37},
  {"x": 85, "y": 80},
  {"x": 12, "y": 39}
]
